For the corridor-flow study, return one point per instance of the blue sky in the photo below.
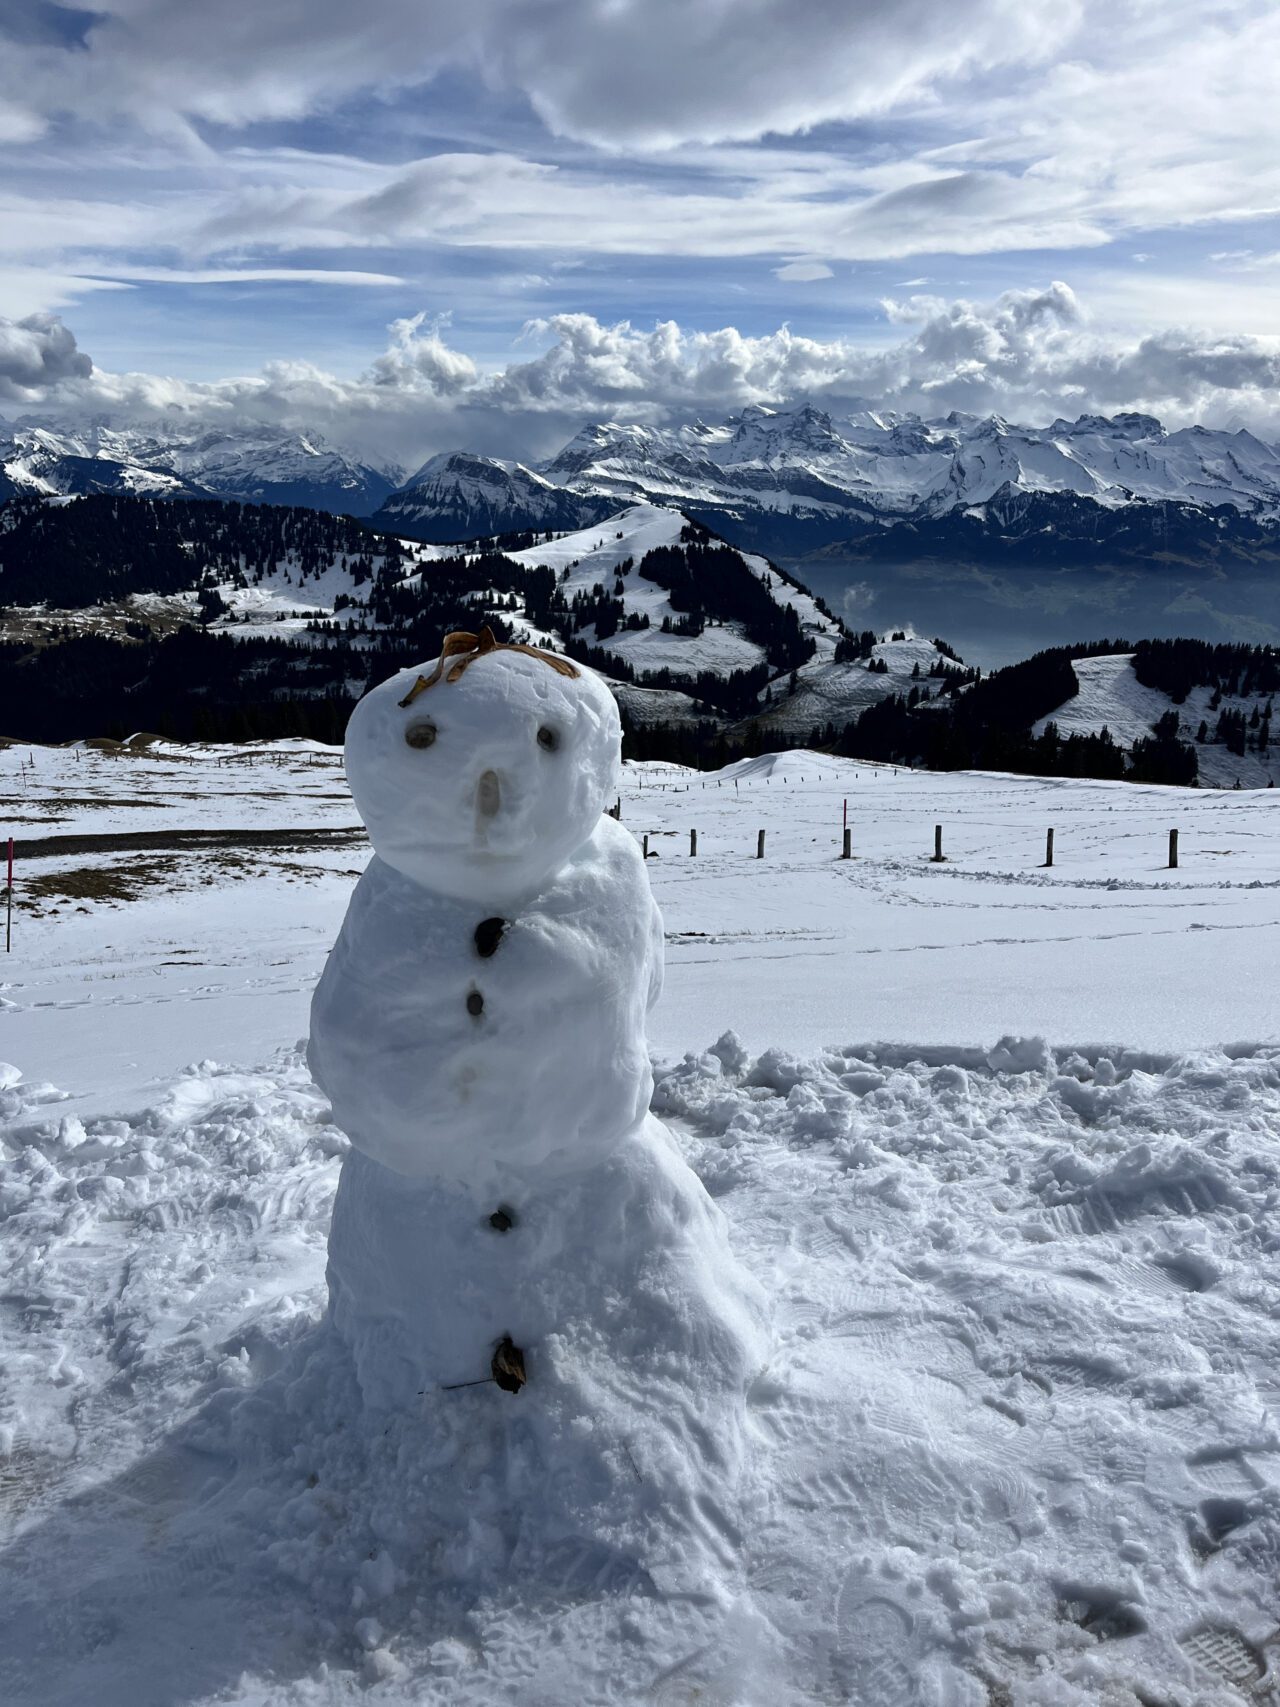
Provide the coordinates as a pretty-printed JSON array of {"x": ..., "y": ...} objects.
[{"x": 650, "y": 208}]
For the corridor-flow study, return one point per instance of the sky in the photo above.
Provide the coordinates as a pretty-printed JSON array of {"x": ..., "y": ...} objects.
[{"x": 414, "y": 227}]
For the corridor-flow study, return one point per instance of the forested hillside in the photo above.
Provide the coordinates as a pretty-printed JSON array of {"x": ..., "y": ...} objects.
[{"x": 244, "y": 621}]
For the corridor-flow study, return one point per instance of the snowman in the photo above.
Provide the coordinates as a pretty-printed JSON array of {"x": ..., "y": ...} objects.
[{"x": 520, "y": 1259}]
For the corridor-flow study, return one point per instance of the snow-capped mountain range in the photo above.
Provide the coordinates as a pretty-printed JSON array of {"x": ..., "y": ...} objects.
[
  {"x": 256, "y": 465},
  {"x": 786, "y": 481},
  {"x": 796, "y": 479}
]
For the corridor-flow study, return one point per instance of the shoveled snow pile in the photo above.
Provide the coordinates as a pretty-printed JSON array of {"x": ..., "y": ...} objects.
[{"x": 1014, "y": 1438}]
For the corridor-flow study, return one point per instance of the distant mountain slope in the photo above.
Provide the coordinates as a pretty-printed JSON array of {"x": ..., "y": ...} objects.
[
  {"x": 255, "y": 465},
  {"x": 691, "y": 632},
  {"x": 795, "y": 480},
  {"x": 785, "y": 481},
  {"x": 1231, "y": 730},
  {"x": 651, "y": 598},
  {"x": 223, "y": 620},
  {"x": 459, "y": 496},
  {"x": 826, "y": 693},
  {"x": 108, "y": 548}
]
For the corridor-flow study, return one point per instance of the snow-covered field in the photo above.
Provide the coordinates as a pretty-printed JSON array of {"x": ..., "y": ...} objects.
[{"x": 1015, "y": 1441}]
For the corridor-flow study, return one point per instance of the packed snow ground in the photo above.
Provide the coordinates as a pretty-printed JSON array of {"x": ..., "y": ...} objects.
[{"x": 1015, "y": 1440}]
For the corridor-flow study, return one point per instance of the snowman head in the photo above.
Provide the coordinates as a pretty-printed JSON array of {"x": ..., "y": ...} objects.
[{"x": 480, "y": 777}]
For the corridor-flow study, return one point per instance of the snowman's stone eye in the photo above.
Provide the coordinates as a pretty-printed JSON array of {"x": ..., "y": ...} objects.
[
  {"x": 420, "y": 734},
  {"x": 548, "y": 739}
]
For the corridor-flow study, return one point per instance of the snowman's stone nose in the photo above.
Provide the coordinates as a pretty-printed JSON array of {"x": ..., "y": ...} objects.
[{"x": 488, "y": 794}]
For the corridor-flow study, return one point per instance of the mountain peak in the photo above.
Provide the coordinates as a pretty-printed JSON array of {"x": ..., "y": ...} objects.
[{"x": 1128, "y": 424}]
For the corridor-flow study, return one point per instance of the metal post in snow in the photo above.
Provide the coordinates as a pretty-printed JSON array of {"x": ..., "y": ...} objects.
[
  {"x": 1048, "y": 847},
  {"x": 760, "y": 844},
  {"x": 1173, "y": 850},
  {"x": 693, "y": 843},
  {"x": 8, "y": 906},
  {"x": 848, "y": 844},
  {"x": 938, "y": 854}
]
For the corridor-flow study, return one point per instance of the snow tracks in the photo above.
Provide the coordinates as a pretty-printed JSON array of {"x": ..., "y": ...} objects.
[
  {"x": 1019, "y": 1429},
  {"x": 1014, "y": 1443}
]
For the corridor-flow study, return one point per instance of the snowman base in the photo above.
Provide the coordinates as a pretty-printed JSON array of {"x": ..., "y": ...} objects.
[{"x": 638, "y": 1337}]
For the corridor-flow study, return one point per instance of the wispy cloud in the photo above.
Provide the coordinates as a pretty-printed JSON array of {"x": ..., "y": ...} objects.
[{"x": 757, "y": 150}]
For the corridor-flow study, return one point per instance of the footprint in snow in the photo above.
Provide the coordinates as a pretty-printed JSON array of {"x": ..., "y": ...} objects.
[{"x": 884, "y": 1658}]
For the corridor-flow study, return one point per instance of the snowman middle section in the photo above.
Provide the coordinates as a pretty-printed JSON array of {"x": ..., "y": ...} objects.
[
  {"x": 490, "y": 1068},
  {"x": 507, "y": 1181},
  {"x": 461, "y": 1043}
]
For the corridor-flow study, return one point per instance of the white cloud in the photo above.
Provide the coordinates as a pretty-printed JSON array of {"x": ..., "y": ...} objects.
[
  {"x": 415, "y": 361},
  {"x": 1016, "y": 123},
  {"x": 1029, "y": 355},
  {"x": 38, "y": 359},
  {"x": 660, "y": 74},
  {"x": 799, "y": 135},
  {"x": 803, "y": 272},
  {"x": 129, "y": 272}
]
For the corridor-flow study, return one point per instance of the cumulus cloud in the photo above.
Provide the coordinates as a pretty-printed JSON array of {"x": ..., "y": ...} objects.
[
  {"x": 39, "y": 358},
  {"x": 414, "y": 361},
  {"x": 1028, "y": 355}
]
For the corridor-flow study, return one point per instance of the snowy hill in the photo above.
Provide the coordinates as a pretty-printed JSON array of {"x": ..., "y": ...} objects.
[
  {"x": 688, "y": 629},
  {"x": 1111, "y": 697},
  {"x": 259, "y": 465},
  {"x": 709, "y": 649},
  {"x": 594, "y": 556},
  {"x": 829, "y": 693},
  {"x": 796, "y": 479}
]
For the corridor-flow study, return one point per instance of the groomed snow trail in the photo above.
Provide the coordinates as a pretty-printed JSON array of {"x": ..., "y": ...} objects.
[{"x": 1015, "y": 1440}]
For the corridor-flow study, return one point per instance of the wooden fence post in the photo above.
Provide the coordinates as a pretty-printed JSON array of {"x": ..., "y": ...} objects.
[
  {"x": 848, "y": 844},
  {"x": 1173, "y": 850},
  {"x": 1048, "y": 847},
  {"x": 938, "y": 855},
  {"x": 760, "y": 845},
  {"x": 693, "y": 843},
  {"x": 644, "y": 848}
]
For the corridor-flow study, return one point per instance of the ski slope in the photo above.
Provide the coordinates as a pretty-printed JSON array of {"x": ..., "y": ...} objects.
[{"x": 1000, "y": 1143}]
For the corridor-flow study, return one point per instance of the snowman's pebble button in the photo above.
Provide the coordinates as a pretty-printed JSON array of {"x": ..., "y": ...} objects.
[
  {"x": 475, "y": 1004},
  {"x": 488, "y": 934}
]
